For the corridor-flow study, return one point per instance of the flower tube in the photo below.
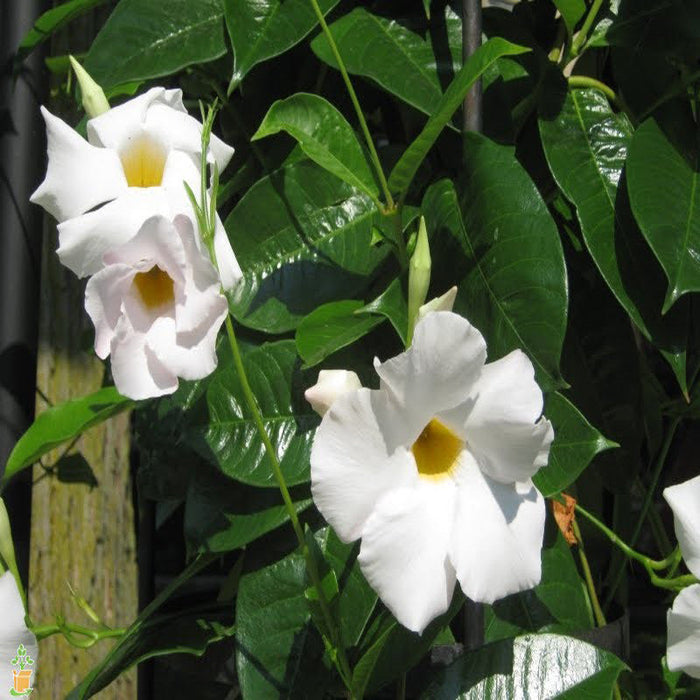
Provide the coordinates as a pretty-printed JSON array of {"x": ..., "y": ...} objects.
[
  {"x": 433, "y": 472},
  {"x": 132, "y": 166}
]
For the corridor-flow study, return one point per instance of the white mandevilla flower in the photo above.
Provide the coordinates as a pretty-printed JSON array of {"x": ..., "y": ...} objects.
[
  {"x": 13, "y": 632},
  {"x": 331, "y": 384},
  {"x": 157, "y": 309},
  {"x": 683, "y": 619},
  {"x": 134, "y": 163},
  {"x": 433, "y": 471}
]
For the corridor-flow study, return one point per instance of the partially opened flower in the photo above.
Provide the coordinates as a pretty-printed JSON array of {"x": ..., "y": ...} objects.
[
  {"x": 331, "y": 384},
  {"x": 683, "y": 620},
  {"x": 433, "y": 471},
  {"x": 14, "y": 634},
  {"x": 132, "y": 166},
  {"x": 157, "y": 309}
]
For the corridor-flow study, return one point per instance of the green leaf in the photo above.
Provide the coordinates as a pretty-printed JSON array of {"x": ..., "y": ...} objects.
[
  {"x": 404, "y": 171},
  {"x": 585, "y": 143},
  {"x": 558, "y": 602},
  {"x": 525, "y": 666},
  {"x": 188, "y": 631},
  {"x": 576, "y": 443},
  {"x": 401, "y": 61},
  {"x": 228, "y": 436},
  {"x": 571, "y": 11},
  {"x": 662, "y": 177},
  {"x": 145, "y": 39},
  {"x": 62, "y": 423},
  {"x": 331, "y": 327},
  {"x": 51, "y": 21},
  {"x": 266, "y": 28},
  {"x": 507, "y": 254},
  {"x": 303, "y": 238},
  {"x": 324, "y": 135},
  {"x": 221, "y": 515},
  {"x": 392, "y": 304}
]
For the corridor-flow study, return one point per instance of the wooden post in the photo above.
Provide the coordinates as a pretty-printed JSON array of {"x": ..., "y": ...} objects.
[{"x": 81, "y": 535}]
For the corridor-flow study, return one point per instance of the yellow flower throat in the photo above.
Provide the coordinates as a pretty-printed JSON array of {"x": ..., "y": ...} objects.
[
  {"x": 143, "y": 162},
  {"x": 155, "y": 287},
  {"x": 436, "y": 450}
]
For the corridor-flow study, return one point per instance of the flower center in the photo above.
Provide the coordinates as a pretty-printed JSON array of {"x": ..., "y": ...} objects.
[
  {"x": 155, "y": 288},
  {"x": 436, "y": 449},
  {"x": 143, "y": 162}
]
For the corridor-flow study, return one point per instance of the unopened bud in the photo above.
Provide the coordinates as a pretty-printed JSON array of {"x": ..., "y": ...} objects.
[
  {"x": 443, "y": 303},
  {"x": 418, "y": 277},
  {"x": 94, "y": 100},
  {"x": 331, "y": 384}
]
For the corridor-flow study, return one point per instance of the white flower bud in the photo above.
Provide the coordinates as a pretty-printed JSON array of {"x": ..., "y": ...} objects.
[
  {"x": 442, "y": 303},
  {"x": 94, "y": 100},
  {"x": 331, "y": 384}
]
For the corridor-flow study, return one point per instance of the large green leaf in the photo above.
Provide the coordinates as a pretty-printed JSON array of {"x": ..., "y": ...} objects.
[
  {"x": 324, "y": 135},
  {"x": 402, "y": 61},
  {"x": 331, "y": 327},
  {"x": 586, "y": 143},
  {"x": 505, "y": 253},
  {"x": 62, "y": 423},
  {"x": 303, "y": 238},
  {"x": 149, "y": 38},
  {"x": 188, "y": 631},
  {"x": 266, "y": 28},
  {"x": 531, "y": 666},
  {"x": 279, "y": 652},
  {"x": 571, "y": 12},
  {"x": 392, "y": 304},
  {"x": 662, "y": 175},
  {"x": 576, "y": 443},
  {"x": 479, "y": 61},
  {"x": 221, "y": 515},
  {"x": 228, "y": 436},
  {"x": 558, "y": 602}
]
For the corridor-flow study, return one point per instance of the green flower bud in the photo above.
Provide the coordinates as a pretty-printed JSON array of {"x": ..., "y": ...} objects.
[
  {"x": 418, "y": 277},
  {"x": 94, "y": 100}
]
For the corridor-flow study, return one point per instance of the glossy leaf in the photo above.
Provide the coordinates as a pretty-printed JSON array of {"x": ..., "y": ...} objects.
[
  {"x": 59, "y": 424},
  {"x": 401, "y": 61},
  {"x": 228, "y": 436},
  {"x": 586, "y": 147},
  {"x": 266, "y": 28},
  {"x": 148, "y": 38},
  {"x": 331, "y": 327},
  {"x": 324, "y": 135},
  {"x": 544, "y": 665},
  {"x": 392, "y": 304},
  {"x": 662, "y": 175},
  {"x": 571, "y": 11},
  {"x": 576, "y": 443},
  {"x": 480, "y": 60},
  {"x": 506, "y": 251},
  {"x": 558, "y": 602},
  {"x": 295, "y": 230},
  {"x": 189, "y": 631}
]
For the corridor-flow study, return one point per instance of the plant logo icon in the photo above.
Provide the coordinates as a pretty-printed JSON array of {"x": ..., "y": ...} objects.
[{"x": 22, "y": 676}]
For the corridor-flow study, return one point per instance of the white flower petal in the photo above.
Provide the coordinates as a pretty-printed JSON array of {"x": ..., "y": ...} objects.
[
  {"x": 441, "y": 303},
  {"x": 351, "y": 466},
  {"x": 83, "y": 240},
  {"x": 229, "y": 269},
  {"x": 497, "y": 538},
  {"x": 436, "y": 372},
  {"x": 180, "y": 168},
  {"x": 500, "y": 426},
  {"x": 137, "y": 371},
  {"x": 684, "y": 500},
  {"x": 683, "y": 620},
  {"x": 103, "y": 302},
  {"x": 79, "y": 176},
  {"x": 114, "y": 128},
  {"x": 331, "y": 384},
  {"x": 404, "y": 552},
  {"x": 13, "y": 632}
]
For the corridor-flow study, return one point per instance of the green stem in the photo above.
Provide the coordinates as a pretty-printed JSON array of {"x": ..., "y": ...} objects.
[
  {"x": 356, "y": 104},
  {"x": 68, "y": 629},
  {"x": 580, "y": 38},
  {"x": 658, "y": 467},
  {"x": 595, "y": 604},
  {"x": 584, "y": 81},
  {"x": 343, "y": 665}
]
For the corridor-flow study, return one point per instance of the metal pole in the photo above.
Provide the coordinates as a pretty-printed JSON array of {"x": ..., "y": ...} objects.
[{"x": 471, "y": 40}]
